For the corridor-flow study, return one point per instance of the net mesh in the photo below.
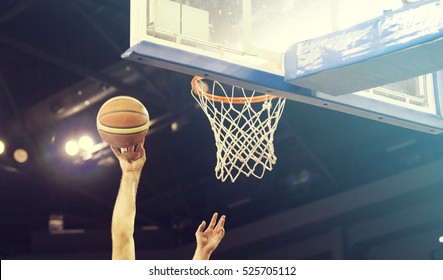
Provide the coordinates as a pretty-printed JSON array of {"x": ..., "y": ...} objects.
[{"x": 243, "y": 123}]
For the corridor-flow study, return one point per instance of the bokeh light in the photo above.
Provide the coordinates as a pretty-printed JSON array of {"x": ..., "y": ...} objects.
[
  {"x": 86, "y": 143},
  {"x": 174, "y": 126},
  {"x": 72, "y": 148},
  {"x": 21, "y": 155},
  {"x": 2, "y": 147}
]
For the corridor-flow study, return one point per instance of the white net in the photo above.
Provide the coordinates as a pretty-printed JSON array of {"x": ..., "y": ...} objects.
[{"x": 243, "y": 123}]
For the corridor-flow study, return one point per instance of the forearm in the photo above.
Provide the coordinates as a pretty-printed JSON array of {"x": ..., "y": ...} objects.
[
  {"x": 123, "y": 217},
  {"x": 124, "y": 210}
]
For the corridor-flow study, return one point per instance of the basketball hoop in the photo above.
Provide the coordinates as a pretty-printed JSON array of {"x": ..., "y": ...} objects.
[{"x": 243, "y": 123}]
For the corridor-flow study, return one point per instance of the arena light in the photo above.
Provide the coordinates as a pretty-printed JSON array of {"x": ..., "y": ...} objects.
[
  {"x": 86, "y": 143},
  {"x": 72, "y": 148},
  {"x": 2, "y": 147},
  {"x": 174, "y": 126},
  {"x": 440, "y": 239},
  {"x": 21, "y": 155},
  {"x": 83, "y": 149}
]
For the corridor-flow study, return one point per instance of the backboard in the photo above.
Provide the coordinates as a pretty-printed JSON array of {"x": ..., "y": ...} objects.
[{"x": 379, "y": 59}]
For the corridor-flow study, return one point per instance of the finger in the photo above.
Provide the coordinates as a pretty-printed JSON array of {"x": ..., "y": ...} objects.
[
  {"x": 130, "y": 157},
  {"x": 143, "y": 154},
  {"x": 201, "y": 227},
  {"x": 140, "y": 150},
  {"x": 142, "y": 143},
  {"x": 213, "y": 220},
  {"x": 115, "y": 151},
  {"x": 221, "y": 233},
  {"x": 139, "y": 146},
  {"x": 221, "y": 222}
]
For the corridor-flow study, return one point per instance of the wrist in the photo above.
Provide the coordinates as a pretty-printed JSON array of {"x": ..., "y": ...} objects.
[
  {"x": 201, "y": 254},
  {"x": 131, "y": 176}
]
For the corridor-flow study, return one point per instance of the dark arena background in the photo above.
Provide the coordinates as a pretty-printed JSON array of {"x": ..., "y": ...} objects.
[{"x": 343, "y": 187}]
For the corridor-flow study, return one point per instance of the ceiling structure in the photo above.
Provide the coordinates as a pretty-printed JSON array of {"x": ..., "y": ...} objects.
[{"x": 60, "y": 60}]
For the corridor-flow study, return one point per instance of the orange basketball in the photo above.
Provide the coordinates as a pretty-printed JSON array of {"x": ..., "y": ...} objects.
[{"x": 123, "y": 121}]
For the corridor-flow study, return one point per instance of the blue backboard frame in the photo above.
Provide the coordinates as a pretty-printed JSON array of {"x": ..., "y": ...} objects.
[{"x": 165, "y": 57}]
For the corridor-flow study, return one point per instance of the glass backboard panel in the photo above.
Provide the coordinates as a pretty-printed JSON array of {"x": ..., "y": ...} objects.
[
  {"x": 415, "y": 94},
  {"x": 253, "y": 33}
]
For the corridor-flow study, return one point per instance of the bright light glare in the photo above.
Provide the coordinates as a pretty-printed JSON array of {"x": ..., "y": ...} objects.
[
  {"x": 440, "y": 239},
  {"x": 72, "y": 148},
  {"x": 174, "y": 126},
  {"x": 2, "y": 147},
  {"x": 21, "y": 155},
  {"x": 86, "y": 143}
]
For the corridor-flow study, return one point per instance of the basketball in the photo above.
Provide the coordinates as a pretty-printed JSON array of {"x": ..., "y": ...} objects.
[{"x": 123, "y": 121}]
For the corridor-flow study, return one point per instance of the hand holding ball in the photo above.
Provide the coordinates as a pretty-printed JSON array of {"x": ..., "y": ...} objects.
[{"x": 123, "y": 122}]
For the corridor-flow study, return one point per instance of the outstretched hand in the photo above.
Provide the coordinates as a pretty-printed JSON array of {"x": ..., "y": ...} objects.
[
  {"x": 209, "y": 238},
  {"x": 138, "y": 158}
]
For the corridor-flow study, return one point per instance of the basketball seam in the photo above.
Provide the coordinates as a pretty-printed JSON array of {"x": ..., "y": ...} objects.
[
  {"x": 126, "y": 127},
  {"x": 122, "y": 111},
  {"x": 119, "y": 130},
  {"x": 122, "y": 97},
  {"x": 121, "y": 134}
]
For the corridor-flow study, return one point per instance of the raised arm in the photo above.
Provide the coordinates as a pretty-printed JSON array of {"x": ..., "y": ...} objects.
[
  {"x": 208, "y": 240},
  {"x": 123, "y": 216}
]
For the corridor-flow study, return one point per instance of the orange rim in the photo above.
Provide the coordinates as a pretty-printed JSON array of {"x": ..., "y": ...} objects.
[{"x": 225, "y": 99}]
